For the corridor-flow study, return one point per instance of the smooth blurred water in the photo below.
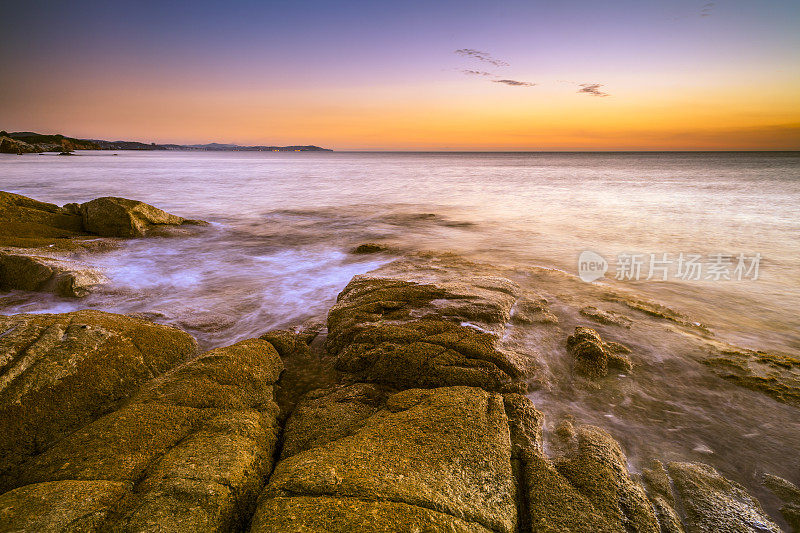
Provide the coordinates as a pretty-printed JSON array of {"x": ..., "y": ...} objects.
[{"x": 286, "y": 220}]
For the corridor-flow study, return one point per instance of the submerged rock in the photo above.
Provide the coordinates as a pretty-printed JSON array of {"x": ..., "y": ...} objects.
[
  {"x": 532, "y": 311},
  {"x": 369, "y": 248},
  {"x": 60, "y": 372},
  {"x": 774, "y": 374},
  {"x": 606, "y": 317},
  {"x": 593, "y": 357},
  {"x": 713, "y": 503},
  {"x": 790, "y": 495}
]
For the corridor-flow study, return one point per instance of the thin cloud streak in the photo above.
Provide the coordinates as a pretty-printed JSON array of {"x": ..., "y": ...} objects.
[
  {"x": 515, "y": 83},
  {"x": 592, "y": 89},
  {"x": 481, "y": 56},
  {"x": 469, "y": 72}
]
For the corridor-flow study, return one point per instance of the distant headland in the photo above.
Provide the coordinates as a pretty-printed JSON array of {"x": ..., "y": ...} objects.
[{"x": 26, "y": 142}]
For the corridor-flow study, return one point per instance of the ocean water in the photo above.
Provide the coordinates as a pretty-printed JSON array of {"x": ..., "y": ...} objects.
[{"x": 283, "y": 224}]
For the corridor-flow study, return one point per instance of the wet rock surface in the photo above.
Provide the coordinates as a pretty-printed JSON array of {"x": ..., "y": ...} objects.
[{"x": 593, "y": 357}]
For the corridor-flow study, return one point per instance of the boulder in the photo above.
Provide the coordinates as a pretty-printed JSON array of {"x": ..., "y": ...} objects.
[
  {"x": 119, "y": 217},
  {"x": 369, "y": 248},
  {"x": 60, "y": 372},
  {"x": 410, "y": 334},
  {"x": 713, "y": 503},
  {"x": 26, "y": 222},
  {"x": 593, "y": 357},
  {"x": 428, "y": 458},
  {"x": 190, "y": 452}
]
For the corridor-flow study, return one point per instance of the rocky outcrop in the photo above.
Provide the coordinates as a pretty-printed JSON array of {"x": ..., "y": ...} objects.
[
  {"x": 25, "y": 222},
  {"x": 189, "y": 452},
  {"x": 31, "y": 232},
  {"x": 593, "y": 357},
  {"x": 13, "y": 146},
  {"x": 60, "y": 372},
  {"x": 409, "y": 334},
  {"x": 25, "y": 143},
  {"x": 120, "y": 217}
]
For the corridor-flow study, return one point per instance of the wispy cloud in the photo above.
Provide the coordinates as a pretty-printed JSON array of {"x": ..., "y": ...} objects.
[
  {"x": 469, "y": 72},
  {"x": 592, "y": 89},
  {"x": 481, "y": 56},
  {"x": 707, "y": 9},
  {"x": 515, "y": 83}
]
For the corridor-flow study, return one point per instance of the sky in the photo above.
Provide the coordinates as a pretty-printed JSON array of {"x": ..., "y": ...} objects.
[{"x": 411, "y": 75}]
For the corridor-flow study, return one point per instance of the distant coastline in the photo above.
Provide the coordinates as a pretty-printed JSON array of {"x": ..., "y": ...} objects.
[{"x": 24, "y": 142}]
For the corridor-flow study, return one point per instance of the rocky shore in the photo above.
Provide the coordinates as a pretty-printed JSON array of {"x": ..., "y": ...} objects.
[{"x": 408, "y": 409}]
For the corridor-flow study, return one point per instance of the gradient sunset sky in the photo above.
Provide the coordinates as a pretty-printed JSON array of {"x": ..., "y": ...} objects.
[{"x": 412, "y": 75}]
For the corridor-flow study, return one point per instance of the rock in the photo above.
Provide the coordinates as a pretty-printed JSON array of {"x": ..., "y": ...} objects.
[
  {"x": 191, "y": 450},
  {"x": 606, "y": 317},
  {"x": 13, "y": 146},
  {"x": 60, "y": 372},
  {"x": 60, "y": 505},
  {"x": 26, "y": 222},
  {"x": 120, "y": 217},
  {"x": 596, "y": 467},
  {"x": 713, "y": 503},
  {"x": 325, "y": 514},
  {"x": 532, "y": 311},
  {"x": 660, "y": 493},
  {"x": 426, "y": 457},
  {"x": 43, "y": 274},
  {"x": 369, "y": 248},
  {"x": 774, "y": 374},
  {"x": 419, "y": 334},
  {"x": 790, "y": 495},
  {"x": 593, "y": 357}
]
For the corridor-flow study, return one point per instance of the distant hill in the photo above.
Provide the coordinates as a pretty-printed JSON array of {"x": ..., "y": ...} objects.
[{"x": 22, "y": 142}]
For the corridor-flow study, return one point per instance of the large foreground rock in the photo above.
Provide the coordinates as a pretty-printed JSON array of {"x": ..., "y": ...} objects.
[
  {"x": 59, "y": 372},
  {"x": 426, "y": 458},
  {"x": 189, "y": 453}
]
